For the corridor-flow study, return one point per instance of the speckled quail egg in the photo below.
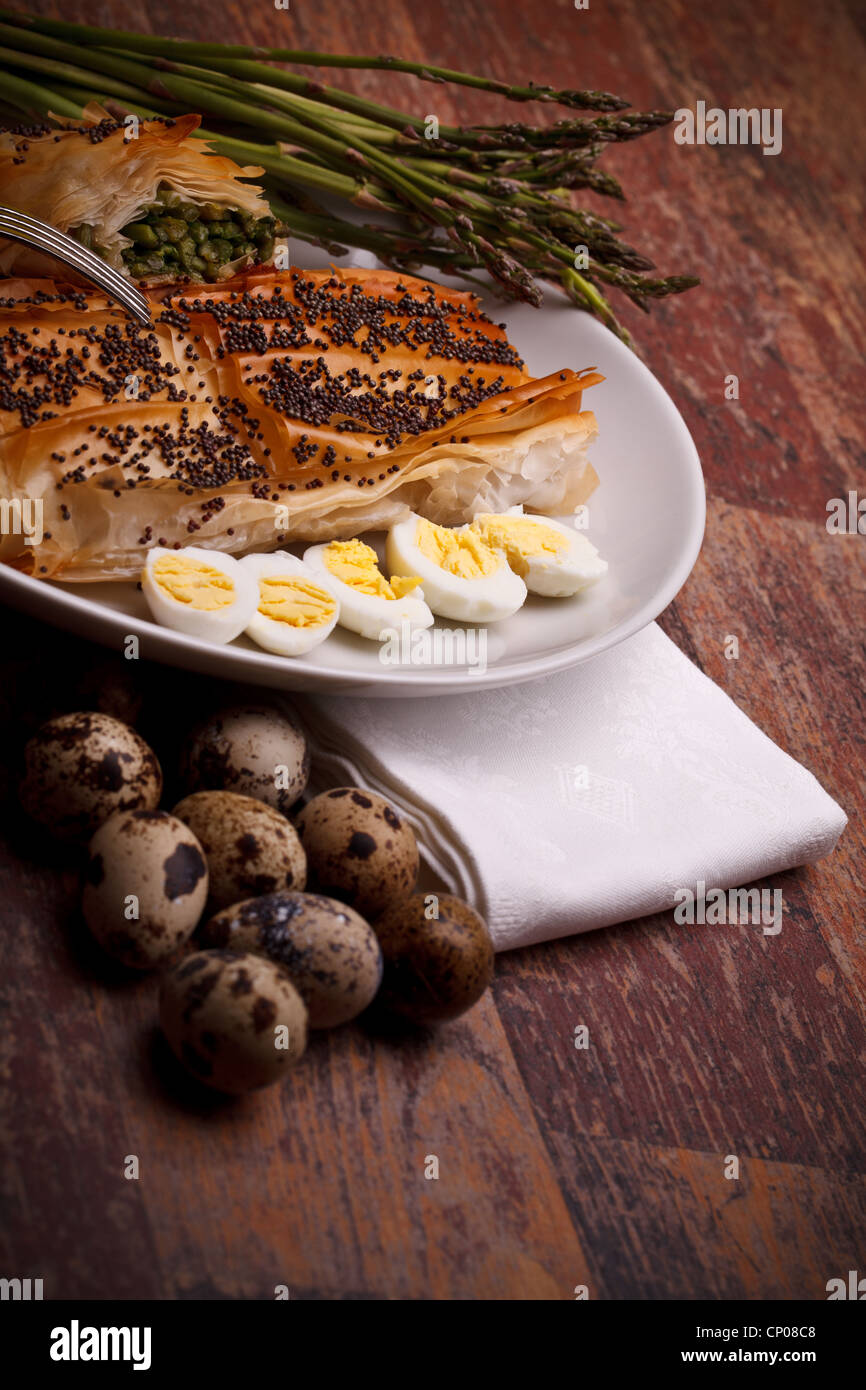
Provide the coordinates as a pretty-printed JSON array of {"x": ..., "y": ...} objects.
[
  {"x": 236, "y": 1022},
  {"x": 251, "y": 749},
  {"x": 436, "y": 966},
  {"x": 359, "y": 849},
  {"x": 80, "y": 768},
  {"x": 250, "y": 848},
  {"x": 145, "y": 887},
  {"x": 329, "y": 951}
]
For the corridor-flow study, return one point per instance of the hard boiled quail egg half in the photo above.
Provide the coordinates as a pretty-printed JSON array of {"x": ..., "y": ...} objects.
[
  {"x": 463, "y": 577},
  {"x": 297, "y": 609},
  {"x": 202, "y": 593},
  {"x": 370, "y": 604},
  {"x": 551, "y": 557}
]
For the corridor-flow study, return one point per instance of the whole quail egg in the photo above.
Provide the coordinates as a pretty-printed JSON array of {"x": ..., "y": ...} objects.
[
  {"x": 250, "y": 848},
  {"x": 145, "y": 887},
  {"x": 358, "y": 849},
  {"x": 82, "y": 767},
  {"x": 251, "y": 749},
  {"x": 436, "y": 966},
  {"x": 235, "y": 1021},
  {"x": 330, "y": 953}
]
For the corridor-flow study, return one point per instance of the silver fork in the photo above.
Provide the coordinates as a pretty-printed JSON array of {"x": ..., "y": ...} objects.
[{"x": 31, "y": 232}]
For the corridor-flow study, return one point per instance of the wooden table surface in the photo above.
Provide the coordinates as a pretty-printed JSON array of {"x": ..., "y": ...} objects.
[{"x": 558, "y": 1167}]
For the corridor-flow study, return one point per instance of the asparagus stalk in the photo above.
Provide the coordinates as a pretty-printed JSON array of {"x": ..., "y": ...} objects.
[
  {"x": 605, "y": 128},
  {"x": 195, "y": 51},
  {"x": 62, "y": 71},
  {"x": 33, "y": 99}
]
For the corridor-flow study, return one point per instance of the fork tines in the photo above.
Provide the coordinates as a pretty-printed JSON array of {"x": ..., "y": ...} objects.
[{"x": 17, "y": 226}]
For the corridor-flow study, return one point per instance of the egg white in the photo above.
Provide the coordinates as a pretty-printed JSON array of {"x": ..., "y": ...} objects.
[
  {"x": 281, "y": 637},
  {"x": 484, "y": 599},
  {"x": 557, "y": 575},
  {"x": 218, "y": 625},
  {"x": 370, "y": 615}
]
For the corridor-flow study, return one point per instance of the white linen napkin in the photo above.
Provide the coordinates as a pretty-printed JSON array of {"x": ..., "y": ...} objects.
[{"x": 585, "y": 798}]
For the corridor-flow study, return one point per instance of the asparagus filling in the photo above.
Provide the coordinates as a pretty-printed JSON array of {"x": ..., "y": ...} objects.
[{"x": 187, "y": 240}]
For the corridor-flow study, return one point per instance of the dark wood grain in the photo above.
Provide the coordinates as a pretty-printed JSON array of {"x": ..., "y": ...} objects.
[{"x": 558, "y": 1167}]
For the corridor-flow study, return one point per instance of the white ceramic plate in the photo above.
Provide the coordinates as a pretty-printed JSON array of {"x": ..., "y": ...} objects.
[{"x": 646, "y": 518}]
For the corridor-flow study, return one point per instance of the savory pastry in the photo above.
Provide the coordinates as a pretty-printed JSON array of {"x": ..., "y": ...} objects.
[
  {"x": 150, "y": 199},
  {"x": 272, "y": 408}
]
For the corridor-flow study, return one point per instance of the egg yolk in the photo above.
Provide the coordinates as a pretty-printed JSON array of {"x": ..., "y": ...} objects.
[
  {"x": 193, "y": 582},
  {"x": 297, "y": 602},
  {"x": 357, "y": 564},
  {"x": 520, "y": 537},
  {"x": 462, "y": 553}
]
